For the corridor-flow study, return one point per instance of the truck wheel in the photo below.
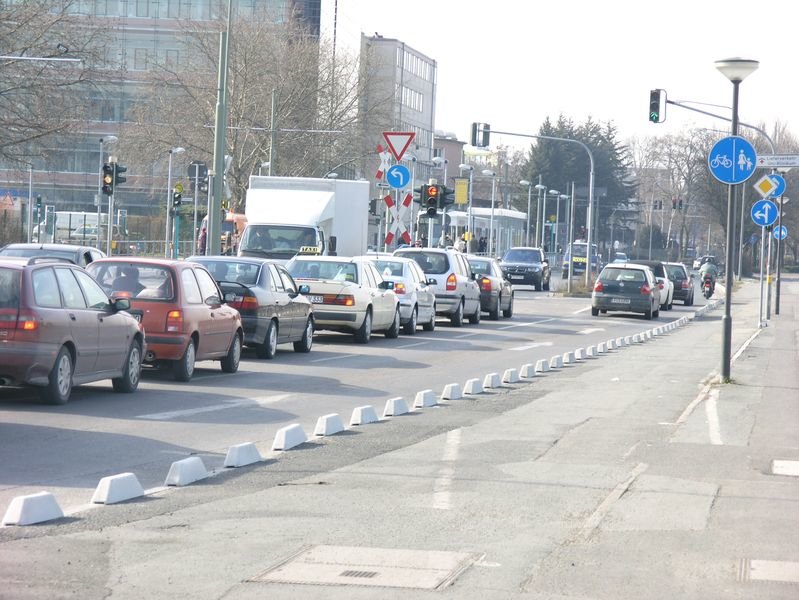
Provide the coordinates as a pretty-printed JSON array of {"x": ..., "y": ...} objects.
[{"x": 364, "y": 333}]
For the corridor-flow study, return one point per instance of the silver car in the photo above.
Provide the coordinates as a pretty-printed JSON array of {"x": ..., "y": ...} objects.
[{"x": 416, "y": 297}]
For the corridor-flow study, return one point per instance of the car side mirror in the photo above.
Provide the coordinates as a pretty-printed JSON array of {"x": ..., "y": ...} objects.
[
  {"x": 121, "y": 304},
  {"x": 386, "y": 285},
  {"x": 213, "y": 300},
  {"x": 431, "y": 281},
  {"x": 304, "y": 289},
  {"x": 230, "y": 297}
]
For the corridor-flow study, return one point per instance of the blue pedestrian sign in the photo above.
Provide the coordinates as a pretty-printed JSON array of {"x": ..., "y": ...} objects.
[
  {"x": 732, "y": 160},
  {"x": 781, "y": 232},
  {"x": 764, "y": 213},
  {"x": 779, "y": 181},
  {"x": 398, "y": 176}
]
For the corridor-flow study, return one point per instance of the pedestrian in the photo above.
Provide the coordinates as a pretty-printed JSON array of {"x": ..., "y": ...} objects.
[
  {"x": 482, "y": 245},
  {"x": 460, "y": 246},
  {"x": 201, "y": 241}
]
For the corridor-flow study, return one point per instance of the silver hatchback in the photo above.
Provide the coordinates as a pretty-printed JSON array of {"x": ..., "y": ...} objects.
[{"x": 417, "y": 299}]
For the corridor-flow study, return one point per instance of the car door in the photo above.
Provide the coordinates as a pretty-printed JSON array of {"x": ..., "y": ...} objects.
[
  {"x": 298, "y": 305},
  {"x": 196, "y": 314},
  {"x": 113, "y": 329},
  {"x": 221, "y": 324},
  {"x": 424, "y": 293},
  {"x": 281, "y": 303},
  {"x": 382, "y": 303},
  {"x": 471, "y": 290}
]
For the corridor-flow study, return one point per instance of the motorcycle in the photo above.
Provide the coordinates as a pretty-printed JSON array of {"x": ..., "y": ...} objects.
[{"x": 707, "y": 286}]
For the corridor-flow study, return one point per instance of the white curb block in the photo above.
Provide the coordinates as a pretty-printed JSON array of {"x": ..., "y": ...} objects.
[
  {"x": 579, "y": 354},
  {"x": 510, "y": 376},
  {"x": 556, "y": 362},
  {"x": 568, "y": 358},
  {"x": 117, "y": 488},
  {"x": 636, "y": 339},
  {"x": 473, "y": 386},
  {"x": 490, "y": 381},
  {"x": 590, "y": 352},
  {"x": 648, "y": 334},
  {"x": 288, "y": 437},
  {"x": 186, "y": 471},
  {"x": 527, "y": 371},
  {"x": 395, "y": 407},
  {"x": 452, "y": 391},
  {"x": 424, "y": 399},
  {"x": 628, "y": 340},
  {"x": 601, "y": 348},
  {"x": 31, "y": 509},
  {"x": 611, "y": 344},
  {"x": 242, "y": 455},
  {"x": 328, "y": 425},
  {"x": 363, "y": 415},
  {"x": 541, "y": 366},
  {"x": 620, "y": 342}
]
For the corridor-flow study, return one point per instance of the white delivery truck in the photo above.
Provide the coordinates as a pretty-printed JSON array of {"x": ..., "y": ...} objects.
[{"x": 287, "y": 216}]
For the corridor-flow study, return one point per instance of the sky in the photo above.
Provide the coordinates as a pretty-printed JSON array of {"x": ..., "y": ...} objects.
[{"x": 513, "y": 63}]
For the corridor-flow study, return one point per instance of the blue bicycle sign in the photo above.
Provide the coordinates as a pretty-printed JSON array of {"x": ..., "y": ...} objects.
[
  {"x": 398, "y": 176},
  {"x": 764, "y": 213},
  {"x": 732, "y": 160}
]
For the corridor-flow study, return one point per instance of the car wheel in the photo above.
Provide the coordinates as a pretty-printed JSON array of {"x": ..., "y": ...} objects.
[
  {"x": 538, "y": 286},
  {"x": 183, "y": 368},
  {"x": 59, "y": 381},
  {"x": 594, "y": 312},
  {"x": 475, "y": 318},
  {"x": 656, "y": 314},
  {"x": 269, "y": 347},
  {"x": 689, "y": 300},
  {"x": 305, "y": 343},
  {"x": 410, "y": 327},
  {"x": 364, "y": 333},
  {"x": 393, "y": 331},
  {"x": 129, "y": 381},
  {"x": 508, "y": 312},
  {"x": 456, "y": 319},
  {"x": 230, "y": 364},
  {"x": 493, "y": 314},
  {"x": 431, "y": 324}
]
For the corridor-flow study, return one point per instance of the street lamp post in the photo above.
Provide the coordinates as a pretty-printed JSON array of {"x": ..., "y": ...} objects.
[
  {"x": 172, "y": 151},
  {"x": 542, "y": 201},
  {"x": 493, "y": 176},
  {"x": 736, "y": 70},
  {"x": 469, "y": 224},
  {"x": 529, "y": 199}
]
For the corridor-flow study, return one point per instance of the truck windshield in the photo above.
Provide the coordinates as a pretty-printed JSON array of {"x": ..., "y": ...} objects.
[{"x": 278, "y": 239}]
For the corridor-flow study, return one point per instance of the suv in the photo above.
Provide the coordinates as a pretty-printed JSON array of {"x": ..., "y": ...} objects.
[
  {"x": 58, "y": 329},
  {"x": 576, "y": 253},
  {"x": 683, "y": 282},
  {"x": 526, "y": 266},
  {"x": 667, "y": 285},
  {"x": 451, "y": 278}
]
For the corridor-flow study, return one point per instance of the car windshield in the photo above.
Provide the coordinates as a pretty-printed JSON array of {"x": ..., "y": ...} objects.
[
  {"x": 434, "y": 263},
  {"x": 278, "y": 238},
  {"x": 323, "y": 270},
  {"x": 676, "y": 272},
  {"x": 9, "y": 295},
  {"x": 613, "y": 274},
  {"x": 523, "y": 256},
  {"x": 389, "y": 268},
  {"x": 243, "y": 272},
  {"x": 36, "y": 251},
  {"x": 481, "y": 267},
  {"x": 140, "y": 281}
]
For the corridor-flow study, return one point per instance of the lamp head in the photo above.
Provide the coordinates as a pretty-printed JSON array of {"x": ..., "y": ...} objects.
[
  {"x": 737, "y": 69},
  {"x": 554, "y": 192},
  {"x": 489, "y": 173},
  {"x": 524, "y": 182},
  {"x": 109, "y": 139},
  {"x": 540, "y": 187},
  {"x": 178, "y": 150},
  {"x": 465, "y": 167}
]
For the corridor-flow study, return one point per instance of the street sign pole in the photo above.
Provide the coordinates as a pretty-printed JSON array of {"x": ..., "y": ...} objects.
[
  {"x": 768, "y": 279},
  {"x": 760, "y": 321},
  {"x": 779, "y": 259}
]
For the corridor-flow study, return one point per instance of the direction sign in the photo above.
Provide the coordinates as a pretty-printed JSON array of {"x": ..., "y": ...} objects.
[
  {"x": 779, "y": 180},
  {"x": 781, "y": 232},
  {"x": 778, "y": 160},
  {"x": 764, "y": 213},
  {"x": 732, "y": 160},
  {"x": 398, "y": 141},
  {"x": 398, "y": 176}
]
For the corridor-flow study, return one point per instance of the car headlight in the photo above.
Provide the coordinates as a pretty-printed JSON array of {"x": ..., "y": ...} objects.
[{"x": 534, "y": 269}]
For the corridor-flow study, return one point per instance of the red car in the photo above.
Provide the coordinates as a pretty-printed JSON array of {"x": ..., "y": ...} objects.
[{"x": 182, "y": 309}]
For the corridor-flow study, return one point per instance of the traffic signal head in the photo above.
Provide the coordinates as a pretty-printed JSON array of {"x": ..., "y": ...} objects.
[
  {"x": 118, "y": 169},
  {"x": 430, "y": 198},
  {"x": 480, "y": 135},
  {"x": 656, "y": 113},
  {"x": 108, "y": 179},
  {"x": 447, "y": 196},
  {"x": 177, "y": 198}
]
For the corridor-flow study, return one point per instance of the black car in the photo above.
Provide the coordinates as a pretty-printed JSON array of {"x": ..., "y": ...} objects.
[
  {"x": 683, "y": 282},
  {"x": 79, "y": 255},
  {"x": 496, "y": 292},
  {"x": 526, "y": 266}
]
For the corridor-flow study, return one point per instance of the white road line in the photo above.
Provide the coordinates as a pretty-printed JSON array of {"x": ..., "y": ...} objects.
[
  {"x": 531, "y": 346},
  {"x": 745, "y": 345},
  {"x": 713, "y": 426},
  {"x": 452, "y": 445},
  {"x": 590, "y": 330},
  {"x": 412, "y": 345},
  {"x": 442, "y": 499},
  {"x": 528, "y": 323},
  {"x": 596, "y": 517},
  {"x": 582, "y": 310},
  {"x": 317, "y": 360},
  {"x": 165, "y": 416},
  {"x": 470, "y": 334}
]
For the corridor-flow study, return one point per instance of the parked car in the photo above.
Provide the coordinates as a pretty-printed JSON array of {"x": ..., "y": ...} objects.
[
  {"x": 496, "y": 292},
  {"x": 698, "y": 262},
  {"x": 683, "y": 282},
  {"x": 662, "y": 275},
  {"x": 453, "y": 282},
  {"x": 274, "y": 309},
  {"x": 348, "y": 295},
  {"x": 182, "y": 309},
  {"x": 80, "y": 255},
  {"x": 59, "y": 329},
  {"x": 417, "y": 300},
  {"x": 526, "y": 266},
  {"x": 627, "y": 287}
]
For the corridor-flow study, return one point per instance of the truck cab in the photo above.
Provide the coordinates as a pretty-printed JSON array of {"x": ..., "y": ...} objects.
[{"x": 283, "y": 242}]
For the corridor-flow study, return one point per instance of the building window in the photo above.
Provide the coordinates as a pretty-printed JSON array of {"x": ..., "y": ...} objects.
[
  {"x": 172, "y": 58},
  {"x": 140, "y": 59},
  {"x": 142, "y": 8},
  {"x": 173, "y": 9}
]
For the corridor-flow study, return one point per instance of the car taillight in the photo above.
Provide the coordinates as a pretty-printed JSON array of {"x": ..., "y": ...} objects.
[
  {"x": 339, "y": 299},
  {"x": 598, "y": 287},
  {"x": 174, "y": 321},
  {"x": 485, "y": 284},
  {"x": 660, "y": 285},
  {"x": 645, "y": 290},
  {"x": 244, "y": 304},
  {"x": 8, "y": 318},
  {"x": 399, "y": 288},
  {"x": 684, "y": 284},
  {"x": 452, "y": 282}
]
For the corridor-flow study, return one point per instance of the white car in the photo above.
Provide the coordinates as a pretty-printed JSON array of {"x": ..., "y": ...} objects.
[
  {"x": 662, "y": 276},
  {"x": 417, "y": 299},
  {"x": 348, "y": 294}
]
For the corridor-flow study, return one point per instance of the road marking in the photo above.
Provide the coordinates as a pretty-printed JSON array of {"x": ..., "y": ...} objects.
[
  {"x": 528, "y": 323},
  {"x": 785, "y": 467},
  {"x": 452, "y": 445},
  {"x": 531, "y": 346},
  {"x": 339, "y": 357},
  {"x": 412, "y": 345},
  {"x": 709, "y": 381},
  {"x": 784, "y": 571},
  {"x": 582, "y": 310},
  {"x": 442, "y": 499},
  {"x": 465, "y": 335},
  {"x": 713, "y": 426},
  {"x": 602, "y": 510},
  {"x": 745, "y": 345},
  {"x": 590, "y": 330},
  {"x": 165, "y": 416}
]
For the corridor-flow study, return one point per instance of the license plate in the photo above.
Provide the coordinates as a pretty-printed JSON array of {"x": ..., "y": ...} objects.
[
  {"x": 316, "y": 299},
  {"x": 516, "y": 276},
  {"x": 619, "y": 300}
]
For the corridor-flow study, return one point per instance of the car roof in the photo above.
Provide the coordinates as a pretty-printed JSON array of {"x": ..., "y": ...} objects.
[
  {"x": 628, "y": 265},
  {"x": 382, "y": 256},
  {"x": 139, "y": 260},
  {"x": 523, "y": 248},
  {"x": 252, "y": 260},
  {"x": 446, "y": 250},
  {"x": 478, "y": 257},
  {"x": 317, "y": 258},
  {"x": 74, "y": 247}
]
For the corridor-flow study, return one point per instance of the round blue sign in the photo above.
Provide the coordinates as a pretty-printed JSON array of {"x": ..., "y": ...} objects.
[
  {"x": 781, "y": 232},
  {"x": 732, "y": 160},
  {"x": 398, "y": 176},
  {"x": 779, "y": 181},
  {"x": 764, "y": 213}
]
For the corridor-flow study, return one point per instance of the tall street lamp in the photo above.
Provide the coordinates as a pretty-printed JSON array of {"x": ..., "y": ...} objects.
[
  {"x": 469, "y": 225},
  {"x": 542, "y": 200},
  {"x": 529, "y": 198},
  {"x": 109, "y": 139},
  {"x": 736, "y": 70},
  {"x": 172, "y": 151},
  {"x": 493, "y": 176}
]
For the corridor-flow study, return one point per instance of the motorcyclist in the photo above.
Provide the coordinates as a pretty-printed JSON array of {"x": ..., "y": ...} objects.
[{"x": 711, "y": 270}]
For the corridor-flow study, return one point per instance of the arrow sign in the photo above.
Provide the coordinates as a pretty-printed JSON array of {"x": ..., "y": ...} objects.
[
  {"x": 398, "y": 176},
  {"x": 781, "y": 232},
  {"x": 779, "y": 181},
  {"x": 764, "y": 213},
  {"x": 398, "y": 141}
]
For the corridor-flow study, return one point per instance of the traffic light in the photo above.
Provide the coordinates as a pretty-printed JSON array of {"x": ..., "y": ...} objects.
[
  {"x": 656, "y": 114},
  {"x": 480, "y": 135},
  {"x": 674, "y": 204},
  {"x": 117, "y": 177},
  {"x": 679, "y": 204},
  {"x": 446, "y": 196},
  {"x": 177, "y": 198},
  {"x": 108, "y": 179},
  {"x": 430, "y": 196}
]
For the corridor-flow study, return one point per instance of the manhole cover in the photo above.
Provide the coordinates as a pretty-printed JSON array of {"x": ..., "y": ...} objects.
[{"x": 383, "y": 567}]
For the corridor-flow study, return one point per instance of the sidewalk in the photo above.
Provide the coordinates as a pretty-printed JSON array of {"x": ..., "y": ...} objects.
[{"x": 633, "y": 475}]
